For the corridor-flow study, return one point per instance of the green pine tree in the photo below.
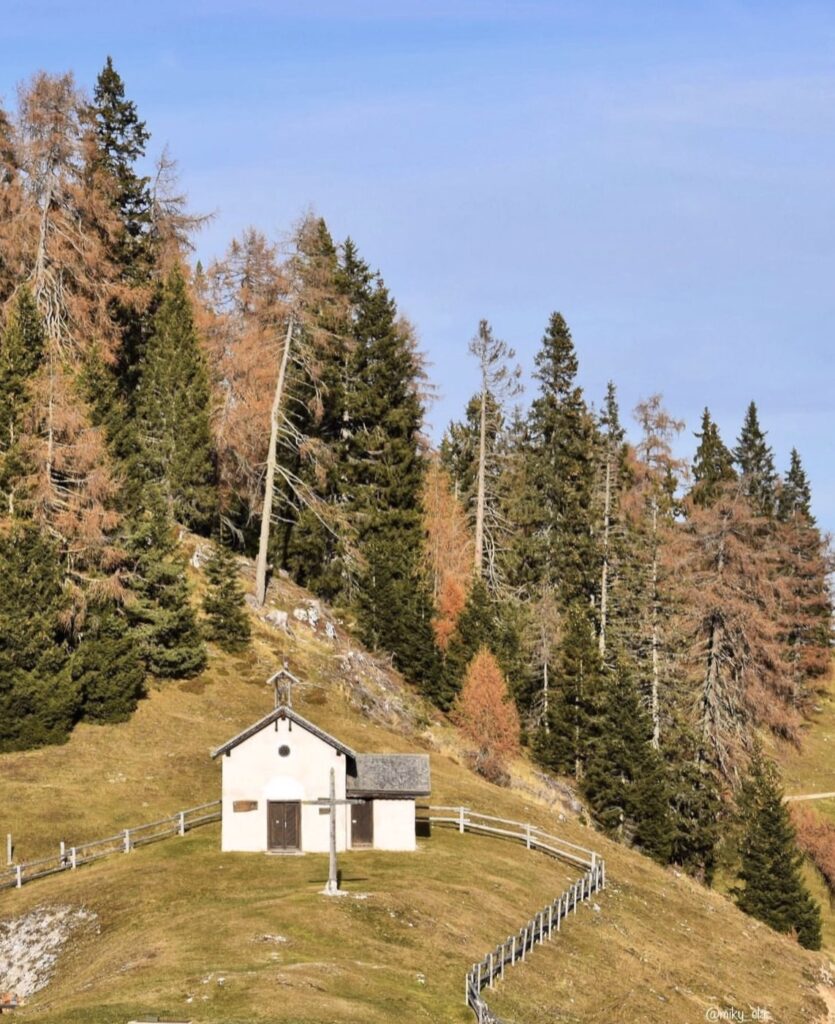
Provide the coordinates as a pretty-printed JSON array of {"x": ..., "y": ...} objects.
[
  {"x": 160, "y": 611},
  {"x": 795, "y": 498},
  {"x": 624, "y": 779},
  {"x": 106, "y": 666},
  {"x": 394, "y": 610},
  {"x": 383, "y": 477},
  {"x": 227, "y": 623},
  {"x": 172, "y": 410},
  {"x": 804, "y": 566},
  {"x": 772, "y": 887},
  {"x": 713, "y": 465},
  {"x": 120, "y": 140},
  {"x": 39, "y": 700},
  {"x": 562, "y": 742},
  {"x": 756, "y": 465},
  {"x": 563, "y": 447},
  {"x": 694, "y": 807},
  {"x": 21, "y": 352},
  {"x": 120, "y": 143}
]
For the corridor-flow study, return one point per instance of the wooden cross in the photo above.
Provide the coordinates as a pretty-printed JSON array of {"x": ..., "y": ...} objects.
[{"x": 331, "y": 803}]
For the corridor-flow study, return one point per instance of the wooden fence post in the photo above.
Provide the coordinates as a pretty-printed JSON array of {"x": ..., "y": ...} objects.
[
  {"x": 19, "y": 876},
  {"x": 9, "y": 849},
  {"x": 490, "y": 971},
  {"x": 550, "y": 918},
  {"x": 127, "y": 840},
  {"x": 62, "y": 855},
  {"x": 460, "y": 819},
  {"x": 524, "y": 942},
  {"x": 528, "y": 836},
  {"x": 73, "y": 858},
  {"x": 182, "y": 823},
  {"x": 513, "y": 950}
]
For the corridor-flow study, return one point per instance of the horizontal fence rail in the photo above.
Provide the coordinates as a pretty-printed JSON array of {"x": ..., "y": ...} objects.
[
  {"x": 72, "y": 857},
  {"x": 542, "y": 924},
  {"x": 462, "y": 819}
]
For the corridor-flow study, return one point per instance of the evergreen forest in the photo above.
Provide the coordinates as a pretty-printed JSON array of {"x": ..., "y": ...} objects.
[{"x": 637, "y": 620}]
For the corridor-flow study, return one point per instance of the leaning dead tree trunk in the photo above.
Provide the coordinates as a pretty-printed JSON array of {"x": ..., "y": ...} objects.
[{"x": 269, "y": 482}]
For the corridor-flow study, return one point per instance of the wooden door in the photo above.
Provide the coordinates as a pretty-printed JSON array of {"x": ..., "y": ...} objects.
[
  {"x": 362, "y": 824},
  {"x": 284, "y": 825}
]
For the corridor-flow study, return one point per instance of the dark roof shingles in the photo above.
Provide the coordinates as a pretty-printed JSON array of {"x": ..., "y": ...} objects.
[{"x": 391, "y": 774}]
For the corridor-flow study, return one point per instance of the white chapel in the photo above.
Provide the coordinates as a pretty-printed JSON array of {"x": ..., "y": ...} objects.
[{"x": 274, "y": 771}]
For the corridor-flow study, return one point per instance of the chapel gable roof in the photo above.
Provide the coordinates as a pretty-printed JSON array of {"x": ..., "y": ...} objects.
[
  {"x": 284, "y": 712},
  {"x": 389, "y": 775}
]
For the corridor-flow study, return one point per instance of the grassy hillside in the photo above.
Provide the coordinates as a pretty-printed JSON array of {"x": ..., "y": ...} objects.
[{"x": 184, "y": 931}]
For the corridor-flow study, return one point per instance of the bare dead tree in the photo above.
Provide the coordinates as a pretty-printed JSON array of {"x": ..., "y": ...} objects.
[
  {"x": 658, "y": 431},
  {"x": 269, "y": 481},
  {"x": 499, "y": 382}
]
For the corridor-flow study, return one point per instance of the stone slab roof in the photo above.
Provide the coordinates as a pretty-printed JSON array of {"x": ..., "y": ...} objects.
[
  {"x": 283, "y": 712},
  {"x": 390, "y": 775}
]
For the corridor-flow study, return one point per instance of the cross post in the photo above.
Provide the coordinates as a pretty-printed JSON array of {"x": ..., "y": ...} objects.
[{"x": 331, "y": 803}]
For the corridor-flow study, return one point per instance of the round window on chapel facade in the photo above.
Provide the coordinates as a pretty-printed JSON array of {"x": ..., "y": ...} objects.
[{"x": 283, "y": 750}]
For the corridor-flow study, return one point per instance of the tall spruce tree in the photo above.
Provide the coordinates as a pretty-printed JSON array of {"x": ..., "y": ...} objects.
[
  {"x": 694, "y": 803},
  {"x": 21, "y": 352},
  {"x": 795, "y": 498},
  {"x": 39, "y": 699},
  {"x": 562, "y": 439},
  {"x": 562, "y": 742},
  {"x": 121, "y": 138},
  {"x": 172, "y": 410},
  {"x": 612, "y": 477},
  {"x": 160, "y": 611},
  {"x": 804, "y": 564},
  {"x": 756, "y": 465},
  {"x": 624, "y": 780},
  {"x": 106, "y": 666},
  {"x": 227, "y": 623},
  {"x": 384, "y": 477},
  {"x": 713, "y": 465},
  {"x": 773, "y": 889}
]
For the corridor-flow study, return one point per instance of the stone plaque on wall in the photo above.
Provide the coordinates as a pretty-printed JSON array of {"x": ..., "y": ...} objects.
[{"x": 244, "y": 805}]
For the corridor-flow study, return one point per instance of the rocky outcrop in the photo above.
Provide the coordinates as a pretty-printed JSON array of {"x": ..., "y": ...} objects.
[{"x": 30, "y": 946}]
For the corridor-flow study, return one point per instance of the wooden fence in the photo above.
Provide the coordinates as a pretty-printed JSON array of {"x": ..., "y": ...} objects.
[
  {"x": 542, "y": 924},
  {"x": 70, "y": 857},
  {"x": 481, "y": 975}
]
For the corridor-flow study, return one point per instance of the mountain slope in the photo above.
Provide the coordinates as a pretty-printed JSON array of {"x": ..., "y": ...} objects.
[{"x": 181, "y": 929}]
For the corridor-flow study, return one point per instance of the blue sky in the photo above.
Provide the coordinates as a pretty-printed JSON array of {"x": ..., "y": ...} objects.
[{"x": 661, "y": 173}]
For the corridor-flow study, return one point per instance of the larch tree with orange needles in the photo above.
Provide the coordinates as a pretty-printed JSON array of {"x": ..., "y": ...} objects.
[
  {"x": 60, "y": 240},
  {"x": 448, "y": 550},
  {"x": 486, "y": 714}
]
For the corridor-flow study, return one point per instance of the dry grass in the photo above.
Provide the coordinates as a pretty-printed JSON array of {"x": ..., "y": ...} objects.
[{"x": 178, "y": 917}]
